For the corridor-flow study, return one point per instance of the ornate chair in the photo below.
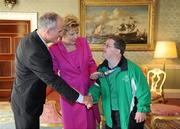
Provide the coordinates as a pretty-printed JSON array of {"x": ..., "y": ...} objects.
[
  {"x": 156, "y": 78},
  {"x": 164, "y": 116},
  {"x": 51, "y": 116}
]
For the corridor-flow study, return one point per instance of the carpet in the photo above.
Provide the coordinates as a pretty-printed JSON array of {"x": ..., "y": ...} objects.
[{"x": 7, "y": 119}]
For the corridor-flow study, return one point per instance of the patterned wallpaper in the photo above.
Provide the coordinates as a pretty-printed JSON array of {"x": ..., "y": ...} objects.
[{"x": 168, "y": 20}]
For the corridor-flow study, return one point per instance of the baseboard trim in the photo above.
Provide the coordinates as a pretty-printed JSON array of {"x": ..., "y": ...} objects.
[{"x": 171, "y": 93}]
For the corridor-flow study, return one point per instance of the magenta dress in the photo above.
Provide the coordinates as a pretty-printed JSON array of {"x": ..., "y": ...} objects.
[{"x": 75, "y": 68}]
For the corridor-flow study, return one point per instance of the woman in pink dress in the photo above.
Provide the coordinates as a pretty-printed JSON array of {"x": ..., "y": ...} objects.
[{"x": 73, "y": 61}]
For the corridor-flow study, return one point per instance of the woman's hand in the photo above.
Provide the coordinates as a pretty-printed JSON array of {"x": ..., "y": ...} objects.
[{"x": 95, "y": 75}]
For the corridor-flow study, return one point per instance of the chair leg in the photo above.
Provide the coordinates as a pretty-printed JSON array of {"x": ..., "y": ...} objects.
[
  {"x": 102, "y": 122},
  {"x": 153, "y": 120}
]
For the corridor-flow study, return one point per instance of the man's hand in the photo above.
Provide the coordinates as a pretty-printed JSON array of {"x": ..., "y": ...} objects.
[
  {"x": 88, "y": 101},
  {"x": 140, "y": 117}
]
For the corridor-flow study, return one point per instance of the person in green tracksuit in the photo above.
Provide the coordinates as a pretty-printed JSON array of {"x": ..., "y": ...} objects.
[{"x": 123, "y": 88}]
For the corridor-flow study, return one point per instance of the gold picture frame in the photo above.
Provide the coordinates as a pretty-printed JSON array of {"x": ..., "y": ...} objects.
[{"x": 133, "y": 20}]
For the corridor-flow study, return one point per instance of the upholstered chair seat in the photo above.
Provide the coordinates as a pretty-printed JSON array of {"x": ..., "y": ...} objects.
[
  {"x": 169, "y": 115},
  {"x": 165, "y": 109}
]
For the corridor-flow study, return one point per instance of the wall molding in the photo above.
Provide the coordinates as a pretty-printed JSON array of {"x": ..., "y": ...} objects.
[
  {"x": 32, "y": 17},
  {"x": 172, "y": 93}
]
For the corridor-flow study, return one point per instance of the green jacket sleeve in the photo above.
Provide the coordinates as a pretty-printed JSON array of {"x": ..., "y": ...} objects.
[
  {"x": 142, "y": 92},
  {"x": 95, "y": 91}
]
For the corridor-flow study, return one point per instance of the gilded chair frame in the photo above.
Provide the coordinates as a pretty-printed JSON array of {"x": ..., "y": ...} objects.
[
  {"x": 156, "y": 79},
  {"x": 155, "y": 117},
  {"x": 53, "y": 102}
]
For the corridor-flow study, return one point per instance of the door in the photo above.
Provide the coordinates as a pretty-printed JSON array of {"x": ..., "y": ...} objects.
[{"x": 11, "y": 31}]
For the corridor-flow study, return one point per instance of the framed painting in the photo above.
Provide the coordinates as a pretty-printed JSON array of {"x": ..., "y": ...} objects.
[{"x": 132, "y": 20}]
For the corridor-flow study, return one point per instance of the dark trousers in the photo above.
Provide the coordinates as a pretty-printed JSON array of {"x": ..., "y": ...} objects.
[
  {"x": 132, "y": 121},
  {"x": 26, "y": 122},
  {"x": 115, "y": 120}
]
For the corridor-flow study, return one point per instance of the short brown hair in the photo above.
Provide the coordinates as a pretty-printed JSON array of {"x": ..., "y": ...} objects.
[{"x": 119, "y": 43}]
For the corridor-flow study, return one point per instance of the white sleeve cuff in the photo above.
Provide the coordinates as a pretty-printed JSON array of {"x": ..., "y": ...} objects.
[{"x": 80, "y": 99}]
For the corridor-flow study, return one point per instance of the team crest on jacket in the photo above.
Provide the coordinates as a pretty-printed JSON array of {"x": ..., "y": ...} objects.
[{"x": 125, "y": 78}]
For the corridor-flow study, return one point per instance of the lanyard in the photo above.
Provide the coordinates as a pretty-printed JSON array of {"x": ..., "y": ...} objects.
[{"x": 106, "y": 73}]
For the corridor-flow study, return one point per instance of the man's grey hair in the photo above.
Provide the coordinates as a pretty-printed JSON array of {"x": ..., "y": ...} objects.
[{"x": 48, "y": 20}]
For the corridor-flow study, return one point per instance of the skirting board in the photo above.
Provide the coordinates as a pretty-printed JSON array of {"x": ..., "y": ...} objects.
[{"x": 171, "y": 93}]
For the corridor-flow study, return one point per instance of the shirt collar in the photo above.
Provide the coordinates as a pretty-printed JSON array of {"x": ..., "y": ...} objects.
[
  {"x": 122, "y": 64},
  {"x": 42, "y": 39}
]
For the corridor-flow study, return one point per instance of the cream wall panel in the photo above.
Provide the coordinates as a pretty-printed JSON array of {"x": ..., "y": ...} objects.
[{"x": 63, "y": 7}]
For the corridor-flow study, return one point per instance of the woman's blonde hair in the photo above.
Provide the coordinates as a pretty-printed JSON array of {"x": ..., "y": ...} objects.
[{"x": 70, "y": 22}]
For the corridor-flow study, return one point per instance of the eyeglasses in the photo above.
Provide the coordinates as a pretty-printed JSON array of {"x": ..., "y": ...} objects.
[{"x": 108, "y": 46}]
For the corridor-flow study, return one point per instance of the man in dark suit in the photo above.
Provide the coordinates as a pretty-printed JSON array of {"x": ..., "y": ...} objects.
[{"x": 34, "y": 70}]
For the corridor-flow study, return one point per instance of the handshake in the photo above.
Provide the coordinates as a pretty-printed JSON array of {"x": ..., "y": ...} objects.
[{"x": 88, "y": 101}]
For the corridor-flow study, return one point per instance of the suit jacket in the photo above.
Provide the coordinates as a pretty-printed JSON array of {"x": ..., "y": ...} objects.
[{"x": 34, "y": 70}]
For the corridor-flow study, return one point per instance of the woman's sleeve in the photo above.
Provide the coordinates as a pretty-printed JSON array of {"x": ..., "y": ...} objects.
[{"x": 95, "y": 91}]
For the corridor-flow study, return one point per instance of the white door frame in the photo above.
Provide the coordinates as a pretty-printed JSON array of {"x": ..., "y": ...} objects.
[{"x": 32, "y": 17}]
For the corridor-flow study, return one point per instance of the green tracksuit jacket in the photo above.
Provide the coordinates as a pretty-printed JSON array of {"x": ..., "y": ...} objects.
[{"x": 130, "y": 82}]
